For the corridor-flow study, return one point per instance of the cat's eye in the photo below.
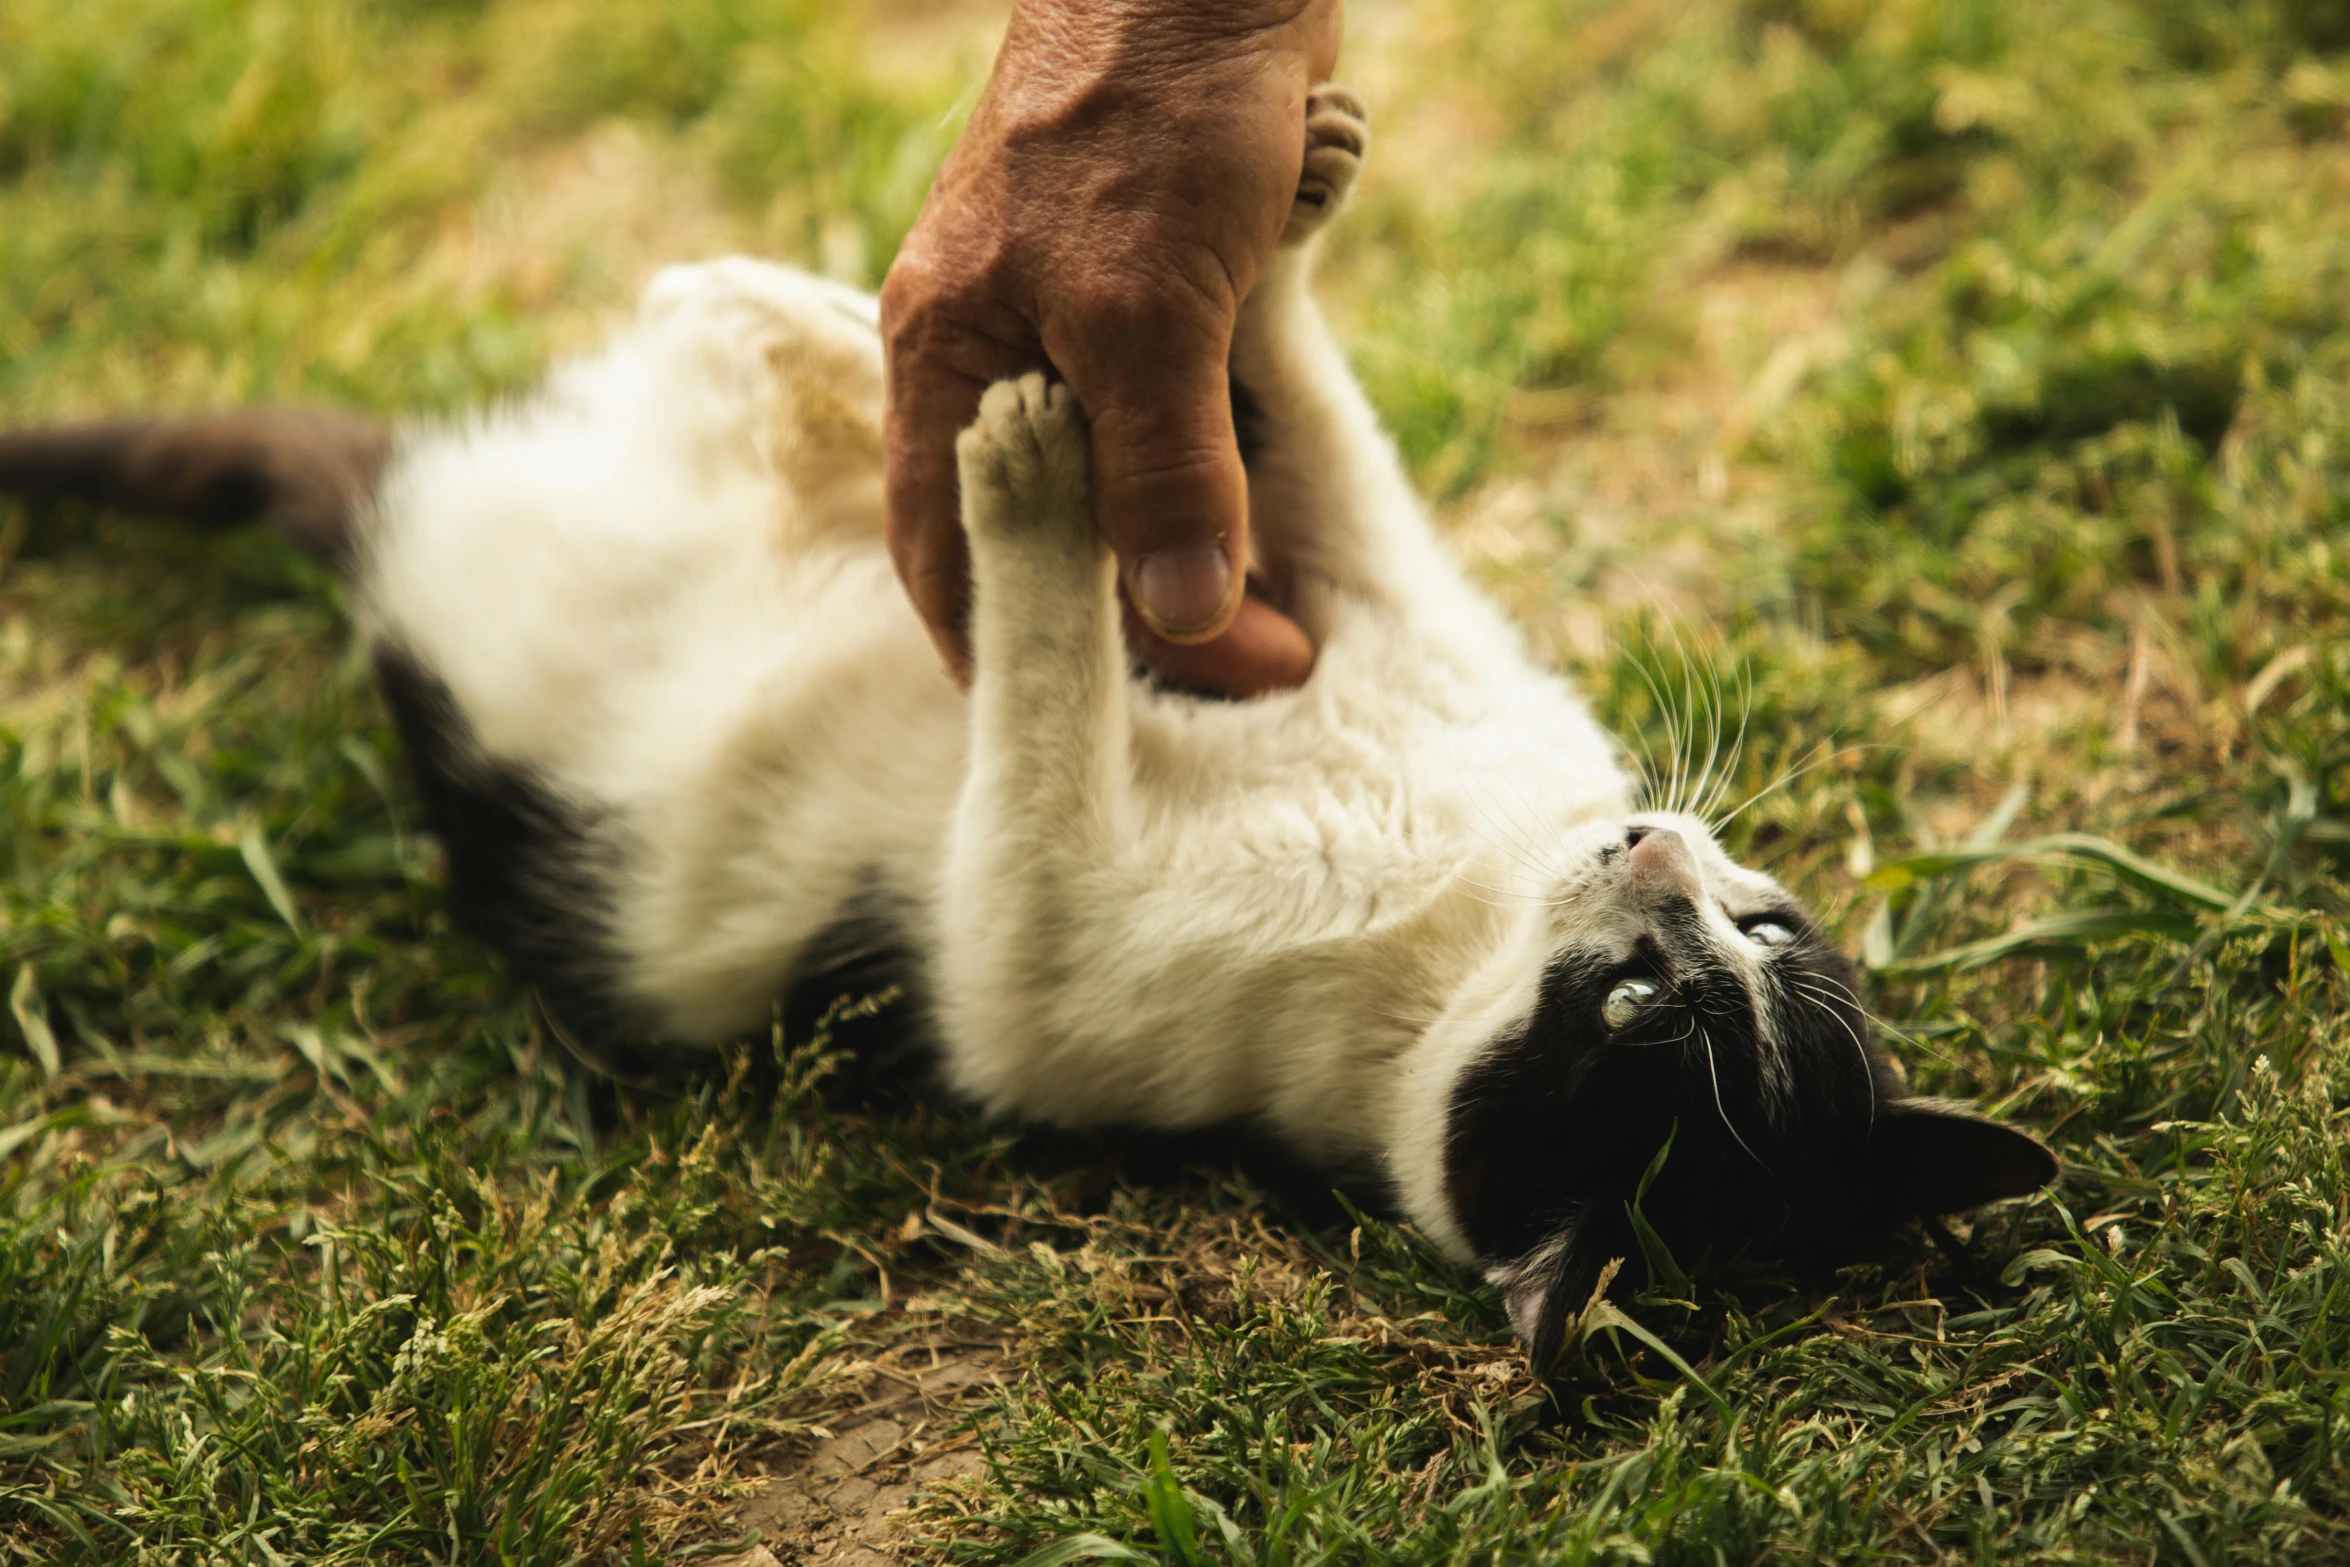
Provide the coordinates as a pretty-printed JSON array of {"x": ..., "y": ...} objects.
[
  {"x": 1770, "y": 933},
  {"x": 1624, "y": 1003}
]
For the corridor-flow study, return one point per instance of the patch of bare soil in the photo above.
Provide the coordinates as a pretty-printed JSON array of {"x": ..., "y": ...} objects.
[{"x": 840, "y": 1502}]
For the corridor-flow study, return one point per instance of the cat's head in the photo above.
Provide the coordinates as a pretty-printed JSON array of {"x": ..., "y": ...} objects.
[{"x": 1671, "y": 993}]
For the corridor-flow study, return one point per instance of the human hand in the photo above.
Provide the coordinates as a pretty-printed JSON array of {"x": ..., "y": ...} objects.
[{"x": 1124, "y": 178}]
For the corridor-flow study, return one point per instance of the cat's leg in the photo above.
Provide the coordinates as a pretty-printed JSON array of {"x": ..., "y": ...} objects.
[
  {"x": 782, "y": 369},
  {"x": 1121, "y": 933},
  {"x": 1049, "y": 693},
  {"x": 1329, "y": 505},
  {"x": 1045, "y": 800}
]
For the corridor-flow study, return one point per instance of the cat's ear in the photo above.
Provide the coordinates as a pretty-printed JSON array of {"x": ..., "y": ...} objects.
[{"x": 1929, "y": 1156}]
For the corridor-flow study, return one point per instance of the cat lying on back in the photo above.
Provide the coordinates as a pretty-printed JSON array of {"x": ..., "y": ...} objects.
[{"x": 685, "y": 742}]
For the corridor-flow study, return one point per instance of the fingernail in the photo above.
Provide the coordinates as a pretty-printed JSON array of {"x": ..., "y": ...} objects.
[{"x": 1182, "y": 591}]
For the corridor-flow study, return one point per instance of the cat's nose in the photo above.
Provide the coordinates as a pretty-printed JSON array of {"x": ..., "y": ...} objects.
[{"x": 1662, "y": 859}]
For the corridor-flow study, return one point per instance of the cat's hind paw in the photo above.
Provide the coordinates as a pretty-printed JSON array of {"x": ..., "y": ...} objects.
[
  {"x": 1338, "y": 135},
  {"x": 1023, "y": 464}
]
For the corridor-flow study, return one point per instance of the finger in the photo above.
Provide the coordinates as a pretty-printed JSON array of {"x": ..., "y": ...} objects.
[
  {"x": 929, "y": 401},
  {"x": 1169, "y": 491},
  {"x": 1324, "y": 27},
  {"x": 1262, "y": 650},
  {"x": 925, "y": 531},
  {"x": 934, "y": 565}
]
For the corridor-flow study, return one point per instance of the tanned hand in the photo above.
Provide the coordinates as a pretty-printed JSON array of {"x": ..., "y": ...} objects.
[{"x": 1124, "y": 179}]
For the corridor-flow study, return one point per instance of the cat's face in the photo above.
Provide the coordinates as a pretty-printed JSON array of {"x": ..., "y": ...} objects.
[{"x": 1683, "y": 996}]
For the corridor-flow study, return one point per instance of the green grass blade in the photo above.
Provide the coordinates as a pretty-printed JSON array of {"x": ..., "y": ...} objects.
[
  {"x": 2058, "y": 932},
  {"x": 254, "y": 846},
  {"x": 2072, "y": 848},
  {"x": 1602, "y": 1315},
  {"x": 1083, "y": 1548},
  {"x": 32, "y": 1021}
]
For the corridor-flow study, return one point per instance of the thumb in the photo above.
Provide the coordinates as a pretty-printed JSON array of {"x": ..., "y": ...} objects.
[{"x": 1170, "y": 494}]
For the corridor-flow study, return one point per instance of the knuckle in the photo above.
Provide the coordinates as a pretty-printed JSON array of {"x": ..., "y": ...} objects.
[
  {"x": 917, "y": 297},
  {"x": 907, "y": 307}
]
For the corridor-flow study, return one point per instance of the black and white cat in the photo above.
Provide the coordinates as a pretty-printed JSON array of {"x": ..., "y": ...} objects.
[{"x": 680, "y": 733}]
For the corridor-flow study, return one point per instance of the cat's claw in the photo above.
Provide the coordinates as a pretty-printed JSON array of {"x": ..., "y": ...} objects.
[{"x": 1338, "y": 134}]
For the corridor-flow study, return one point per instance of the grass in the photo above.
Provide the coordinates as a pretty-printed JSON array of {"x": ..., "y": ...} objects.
[{"x": 1968, "y": 374}]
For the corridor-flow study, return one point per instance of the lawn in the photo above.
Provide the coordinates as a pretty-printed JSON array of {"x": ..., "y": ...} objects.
[{"x": 1955, "y": 393}]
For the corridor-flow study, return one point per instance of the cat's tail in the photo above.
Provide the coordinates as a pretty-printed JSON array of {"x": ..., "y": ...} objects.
[{"x": 305, "y": 473}]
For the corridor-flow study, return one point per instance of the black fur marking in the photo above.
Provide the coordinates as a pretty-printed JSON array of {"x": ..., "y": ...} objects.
[
  {"x": 302, "y": 471},
  {"x": 527, "y": 871},
  {"x": 1552, "y": 1131},
  {"x": 1248, "y": 421},
  {"x": 865, "y": 953},
  {"x": 890, "y": 1056}
]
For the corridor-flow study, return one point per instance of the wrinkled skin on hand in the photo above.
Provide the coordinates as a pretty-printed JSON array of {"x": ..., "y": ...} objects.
[{"x": 1123, "y": 180}]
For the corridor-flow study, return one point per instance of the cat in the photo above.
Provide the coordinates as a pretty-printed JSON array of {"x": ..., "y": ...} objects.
[{"x": 686, "y": 744}]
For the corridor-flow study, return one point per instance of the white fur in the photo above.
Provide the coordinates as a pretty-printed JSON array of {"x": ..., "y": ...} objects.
[{"x": 662, "y": 585}]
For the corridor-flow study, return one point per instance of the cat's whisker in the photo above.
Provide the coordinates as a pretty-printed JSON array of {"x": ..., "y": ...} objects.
[
  {"x": 1531, "y": 854},
  {"x": 1510, "y": 897},
  {"x": 1915, "y": 1042},
  {"x": 1713, "y": 804},
  {"x": 1673, "y": 741},
  {"x": 1709, "y": 697},
  {"x": 1502, "y": 897},
  {"x": 1713, "y": 1071},
  {"x": 1804, "y": 985},
  {"x": 1705, "y": 701},
  {"x": 1648, "y": 661},
  {"x": 1873, "y": 1020},
  {"x": 1699, "y": 1000},
  {"x": 1530, "y": 814},
  {"x": 1651, "y": 775},
  {"x": 1819, "y": 756},
  {"x": 1877, "y": 1020},
  {"x": 1511, "y": 843},
  {"x": 1681, "y": 1038}
]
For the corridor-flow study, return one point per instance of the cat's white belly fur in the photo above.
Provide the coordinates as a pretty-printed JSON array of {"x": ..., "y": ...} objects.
[{"x": 662, "y": 586}]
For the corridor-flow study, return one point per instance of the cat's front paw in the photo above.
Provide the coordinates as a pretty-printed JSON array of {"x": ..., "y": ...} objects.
[
  {"x": 1338, "y": 134},
  {"x": 1023, "y": 465}
]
